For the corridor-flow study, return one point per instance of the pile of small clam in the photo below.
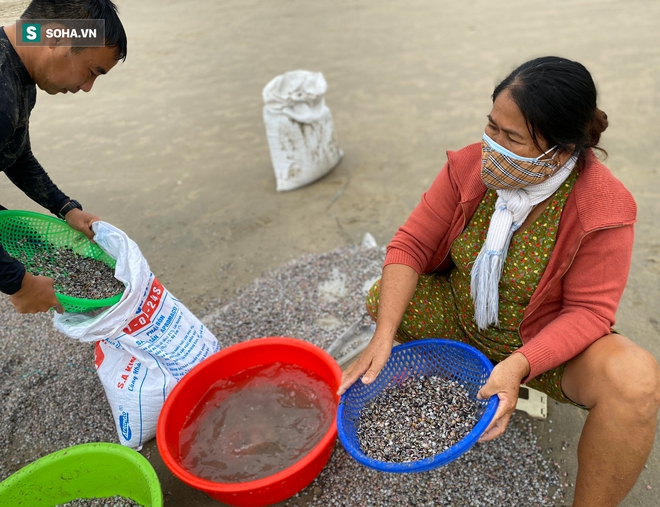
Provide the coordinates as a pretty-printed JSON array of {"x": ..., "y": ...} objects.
[
  {"x": 417, "y": 419},
  {"x": 116, "y": 501},
  {"x": 74, "y": 275}
]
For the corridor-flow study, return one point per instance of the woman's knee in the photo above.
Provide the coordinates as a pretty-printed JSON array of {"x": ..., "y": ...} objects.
[
  {"x": 631, "y": 374},
  {"x": 616, "y": 370}
]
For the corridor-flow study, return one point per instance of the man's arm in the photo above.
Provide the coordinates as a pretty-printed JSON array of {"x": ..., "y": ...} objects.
[
  {"x": 11, "y": 273},
  {"x": 11, "y": 270},
  {"x": 28, "y": 175},
  {"x": 28, "y": 293}
]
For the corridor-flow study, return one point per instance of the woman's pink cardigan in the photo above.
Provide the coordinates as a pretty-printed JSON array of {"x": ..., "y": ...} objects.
[{"x": 579, "y": 292}]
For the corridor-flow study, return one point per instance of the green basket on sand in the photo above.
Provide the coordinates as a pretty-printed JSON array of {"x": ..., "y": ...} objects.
[
  {"x": 96, "y": 470},
  {"x": 27, "y": 232}
]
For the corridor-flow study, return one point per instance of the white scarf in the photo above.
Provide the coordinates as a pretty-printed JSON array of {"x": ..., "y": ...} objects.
[{"x": 511, "y": 209}]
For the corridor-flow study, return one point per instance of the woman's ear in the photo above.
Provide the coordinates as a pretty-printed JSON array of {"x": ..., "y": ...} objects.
[{"x": 565, "y": 153}]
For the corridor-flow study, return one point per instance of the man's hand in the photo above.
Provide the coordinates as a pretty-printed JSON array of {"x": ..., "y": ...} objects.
[
  {"x": 36, "y": 295},
  {"x": 81, "y": 221},
  {"x": 504, "y": 381}
]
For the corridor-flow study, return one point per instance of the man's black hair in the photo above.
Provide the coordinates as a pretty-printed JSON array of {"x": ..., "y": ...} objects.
[{"x": 115, "y": 36}]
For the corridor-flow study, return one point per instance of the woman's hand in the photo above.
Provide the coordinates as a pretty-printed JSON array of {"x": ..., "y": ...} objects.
[
  {"x": 504, "y": 381},
  {"x": 81, "y": 221},
  {"x": 35, "y": 295},
  {"x": 397, "y": 287},
  {"x": 368, "y": 364}
]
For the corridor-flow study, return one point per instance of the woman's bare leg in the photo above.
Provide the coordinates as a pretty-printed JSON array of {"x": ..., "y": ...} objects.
[{"x": 620, "y": 383}]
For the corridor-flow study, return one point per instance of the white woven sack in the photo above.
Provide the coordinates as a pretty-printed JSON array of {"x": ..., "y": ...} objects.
[
  {"x": 299, "y": 127},
  {"x": 148, "y": 327},
  {"x": 136, "y": 387}
]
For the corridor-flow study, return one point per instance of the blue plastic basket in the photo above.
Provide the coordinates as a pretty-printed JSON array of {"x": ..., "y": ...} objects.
[{"x": 445, "y": 358}]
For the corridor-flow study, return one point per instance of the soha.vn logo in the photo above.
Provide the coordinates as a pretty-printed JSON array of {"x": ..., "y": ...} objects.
[
  {"x": 31, "y": 32},
  {"x": 69, "y": 32}
]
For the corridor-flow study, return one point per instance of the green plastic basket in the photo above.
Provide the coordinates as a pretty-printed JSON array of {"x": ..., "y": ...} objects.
[
  {"x": 46, "y": 232},
  {"x": 95, "y": 470}
]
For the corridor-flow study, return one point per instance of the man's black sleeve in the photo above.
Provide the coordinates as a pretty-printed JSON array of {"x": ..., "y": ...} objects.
[
  {"x": 11, "y": 273},
  {"x": 28, "y": 175}
]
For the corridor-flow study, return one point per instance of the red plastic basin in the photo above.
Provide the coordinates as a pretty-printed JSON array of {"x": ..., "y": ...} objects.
[{"x": 223, "y": 364}]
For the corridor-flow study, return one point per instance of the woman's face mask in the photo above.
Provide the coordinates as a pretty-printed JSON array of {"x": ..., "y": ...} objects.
[{"x": 502, "y": 169}]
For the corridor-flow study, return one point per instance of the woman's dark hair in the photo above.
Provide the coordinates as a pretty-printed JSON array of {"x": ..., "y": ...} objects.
[
  {"x": 115, "y": 36},
  {"x": 557, "y": 98}
]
